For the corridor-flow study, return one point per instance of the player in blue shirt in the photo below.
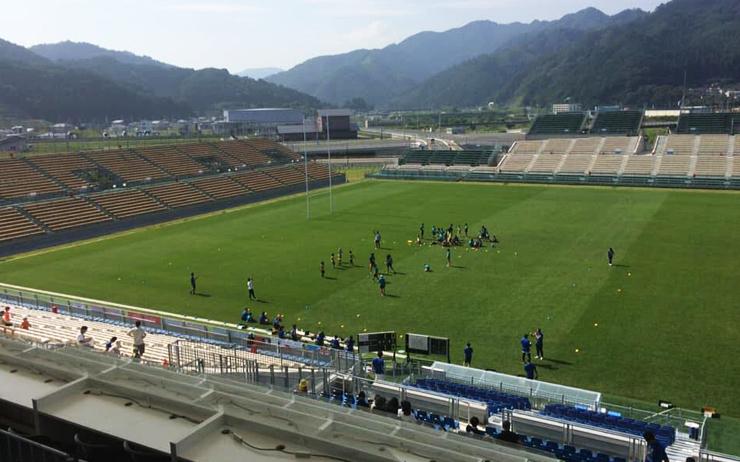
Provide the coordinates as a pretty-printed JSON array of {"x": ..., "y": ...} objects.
[
  {"x": 655, "y": 450},
  {"x": 350, "y": 343},
  {"x": 468, "y": 352},
  {"x": 379, "y": 365},
  {"x": 526, "y": 348},
  {"x": 531, "y": 370}
]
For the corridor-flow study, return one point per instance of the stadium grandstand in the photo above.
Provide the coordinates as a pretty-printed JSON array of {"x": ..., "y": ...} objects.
[
  {"x": 563, "y": 124},
  {"x": 617, "y": 123},
  {"x": 51, "y": 199},
  {"x": 709, "y": 123},
  {"x": 693, "y": 161},
  {"x": 205, "y": 390}
]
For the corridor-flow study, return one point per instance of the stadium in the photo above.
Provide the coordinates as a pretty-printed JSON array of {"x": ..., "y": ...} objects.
[{"x": 485, "y": 247}]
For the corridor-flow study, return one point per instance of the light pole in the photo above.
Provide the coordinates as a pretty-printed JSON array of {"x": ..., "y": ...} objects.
[
  {"x": 305, "y": 168},
  {"x": 328, "y": 152}
]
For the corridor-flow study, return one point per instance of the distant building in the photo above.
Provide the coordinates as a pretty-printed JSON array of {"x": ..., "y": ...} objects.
[
  {"x": 13, "y": 143},
  {"x": 455, "y": 130},
  {"x": 335, "y": 124},
  {"x": 566, "y": 107},
  {"x": 271, "y": 117},
  {"x": 296, "y": 132}
]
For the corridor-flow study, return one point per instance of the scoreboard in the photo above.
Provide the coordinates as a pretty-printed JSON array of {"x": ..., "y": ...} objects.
[{"x": 376, "y": 341}]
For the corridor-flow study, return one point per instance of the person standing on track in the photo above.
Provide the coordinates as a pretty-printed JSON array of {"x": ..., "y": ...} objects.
[{"x": 250, "y": 287}]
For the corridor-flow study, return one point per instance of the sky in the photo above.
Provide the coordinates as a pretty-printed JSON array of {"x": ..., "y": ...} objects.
[{"x": 240, "y": 34}]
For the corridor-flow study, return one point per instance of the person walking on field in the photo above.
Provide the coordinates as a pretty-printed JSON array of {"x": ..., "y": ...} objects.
[
  {"x": 138, "y": 334},
  {"x": 449, "y": 257},
  {"x": 526, "y": 349},
  {"x": 192, "y": 283},
  {"x": 322, "y": 269},
  {"x": 381, "y": 283},
  {"x": 340, "y": 254},
  {"x": 610, "y": 255},
  {"x": 351, "y": 258},
  {"x": 250, "y": 288},
  {"x": 389, "y": 264},
  {"x": 421, "y": 231}
]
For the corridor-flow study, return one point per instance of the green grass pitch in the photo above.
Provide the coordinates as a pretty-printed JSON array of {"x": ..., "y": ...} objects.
[{"x": 660, "y": 324}]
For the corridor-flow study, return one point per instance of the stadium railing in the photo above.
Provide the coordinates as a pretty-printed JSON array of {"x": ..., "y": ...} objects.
[{"x": 185, "y": 327}]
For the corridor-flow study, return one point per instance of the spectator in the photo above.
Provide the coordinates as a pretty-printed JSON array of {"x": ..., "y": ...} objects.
[
  {"x": 507, "y": 434},
  {"x": 468, "y": 355},
  {"x": 294, "y": 333},
  {"x": 362, "y": 400},
  {"x": 378, "y": 403},
  {"x": 392, "y": 406},
  {"x": 531, "y": 370},
  {"x": 281, "y": 332},
  {"x": 303, "y": 386},
  {"x": 473, "y": 427},
  {"x": 138, "y": 334},
  {"x": 264, "y": 320},
  {"x": 7, "y": 320},
  {"x": 277, "y": 321},
  {"x": 25, "y": 325},
  {"x": 110, "y": 343},
  {"x": 335, "y": 343},
  {"x": 247, "y": 316},
  {"x": 350, "y": 344},
  {"x": 655, "y": 450},
  {"x": 320, "y": 338},
  {"x": 82, "y": 340},
  {"x": 406, "y": 413},
  {"x": 378, "y": 365}
]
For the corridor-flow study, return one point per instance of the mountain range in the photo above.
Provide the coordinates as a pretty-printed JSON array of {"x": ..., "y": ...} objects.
[
  {"x": 259, "y": 72},
  {"x": 71, "y": 81},
  {"x": 632, "y": 58}
]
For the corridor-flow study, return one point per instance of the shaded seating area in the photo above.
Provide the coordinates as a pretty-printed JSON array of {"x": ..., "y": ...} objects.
[
  {"x": 286, "y": 175},
  {"x": 70, "y": 169},
  {"x": 617, "y": 123},
  {"x": 127, "y": 203},
  {"x": 66, "y": 213},
  {"x": 14, "y": 225},
  {"x": 570, "y": 123},
  {"x": 707, "y": 123}
]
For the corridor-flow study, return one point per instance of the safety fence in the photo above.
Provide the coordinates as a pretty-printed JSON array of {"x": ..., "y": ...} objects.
[{"x": 17, "y": 448}]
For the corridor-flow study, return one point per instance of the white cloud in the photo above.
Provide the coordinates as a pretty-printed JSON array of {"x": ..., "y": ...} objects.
[{"x": 212, "y": 7}]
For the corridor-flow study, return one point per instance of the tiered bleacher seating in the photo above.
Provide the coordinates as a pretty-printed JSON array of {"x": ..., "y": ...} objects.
[
  {"x": 607, "y": 164},
  {"x": 674, "y": 165},
  {"x": 586, "y": 146},
  {"x": 416, "y": 157},
  {"x": 639, "y": 165},
  {"x": 209, "y": 156},
  {"x": 66, "y": 213},
  {"x": 472, "y": 158},
  {"x": 496, "y": 400},
  {"x": 244, "y": 153},
  {"x": 316, "y": 171},
  {"x": 516, "y": 162},
  {"x": 546, "y": 163},
  {"x": 220, "y": 187},
  {"x": 576, "y": 163},
  {"x": 698, "y": 124},
  {"x": 19, "y": 179},
  {"x": 257, "y": 181},
  {"x": 276, "y": 151},
  {"x": 663, "y": 433},
  {"x": 618, "y": 145},
  {"x": 286, "y": 175},
  {"x": 714, "y": 145},
  {"x": 527, "y": 147},
  {"x": 557, "y": 146},
  {"x": 127, "y": 203},
  {"x": 558, "y": 124},
  {"x": 170, "y": 159},
  {"x": 711, "y": 166},
  {"x": 617, "y": 123},
  {"x": 14, "y": 225},
  {"x": 128, "y": 166},
  {"x": 177, "y": 194},
  {"x": 680, "y": 145},
  {"x": 67, "y": 168},
  {"x": 442, "y": 157}
]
